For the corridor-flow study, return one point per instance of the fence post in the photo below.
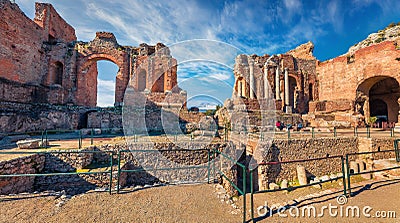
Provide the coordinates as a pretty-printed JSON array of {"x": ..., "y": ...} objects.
[
  {"x": 251, "y": 195},
  {"x": 368, "y": 132},
  {"x": 348, "y": 174},
  {"x": 42, "y": 138},
  {"x": 244, "y": 193},
  {"x": 391, "y": 132},
  {"x": 111, "y": 171},
  {"x": 214, "y": 159},
  {"x": 396, "y": 150},
  {"x": 355, "y": 132},
  {"x": 288, "y": 133},
  {"x": 208, "y": 167},
  {"x": 119, "y": 170},
  {"x": 312, "y": 132},
  {"x": 80, "y": 140},
  {"x": 344, "y": 178},
  {"x": 334, "y": 132},
  {"x": 46, "y": 138},
  {"x": 91, "y": 137}
]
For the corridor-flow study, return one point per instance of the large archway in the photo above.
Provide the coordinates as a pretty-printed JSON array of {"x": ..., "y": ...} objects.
[{"x": 378, "y": 97}]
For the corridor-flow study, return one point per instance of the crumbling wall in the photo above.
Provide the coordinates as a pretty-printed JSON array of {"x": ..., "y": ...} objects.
[{"x": 30, "y": 164}]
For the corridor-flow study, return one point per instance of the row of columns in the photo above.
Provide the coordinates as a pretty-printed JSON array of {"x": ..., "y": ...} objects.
[{"x": 288, "y": 108}]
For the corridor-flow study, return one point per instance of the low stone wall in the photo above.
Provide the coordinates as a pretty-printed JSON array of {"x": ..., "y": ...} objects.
[
  {"x": 67, "y": 162},
  {"x": 21, "y": 118},
  {"x": 27, "y": 165},
  {"x": 165, "y": 156},
  {"x": 382, "y": 144},
  {"x": 300, "y": 149}
]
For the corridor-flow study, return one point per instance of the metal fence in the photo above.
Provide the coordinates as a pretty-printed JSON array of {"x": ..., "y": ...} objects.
[
  {"x": 253, "y": 171},
  {"x": 217, "y": 166},
  {"x": 226, "y": 163},
  {"x": 163, "y": 167}
]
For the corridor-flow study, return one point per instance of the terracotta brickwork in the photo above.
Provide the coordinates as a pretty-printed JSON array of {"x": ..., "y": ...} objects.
[
  {"x": 43, "y": 60},
  {"x": 356, "y": 82}
]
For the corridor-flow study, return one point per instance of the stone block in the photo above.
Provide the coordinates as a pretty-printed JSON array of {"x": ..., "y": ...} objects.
[
  {"x": 301, "y": 175},
  {"x": 273, "y": 186},
  {"x": 29, "y": 144},
  {"x": 284, "y": 184}
]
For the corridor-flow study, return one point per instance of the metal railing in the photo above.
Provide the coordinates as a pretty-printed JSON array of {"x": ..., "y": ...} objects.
[
  {"x": 289, "y": 188},
  {"x": 350, "y": 173},
  {"x": 241, "y": 191}
]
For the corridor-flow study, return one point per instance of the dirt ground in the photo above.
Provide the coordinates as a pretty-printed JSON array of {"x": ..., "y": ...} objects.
[
  {"x": 198, "y": 203},
  {"x": 191, "y": 203},
  {"x": 380, "y": 198}
]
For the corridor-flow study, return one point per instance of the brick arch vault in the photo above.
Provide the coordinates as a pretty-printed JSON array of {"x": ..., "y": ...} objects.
[
  {"x": 103, "y": 47},
  {"x": 378, "y": 96}
]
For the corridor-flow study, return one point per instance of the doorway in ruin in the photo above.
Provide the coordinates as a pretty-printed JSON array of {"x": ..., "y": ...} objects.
[
  {"x": 377, "y": 97},
  {"x": 106, "y": 79}
]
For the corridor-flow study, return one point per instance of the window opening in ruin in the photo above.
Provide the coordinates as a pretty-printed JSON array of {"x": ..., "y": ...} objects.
[
  {"x": 106, "y": 78},
  {"x": 58, "y": 70}
]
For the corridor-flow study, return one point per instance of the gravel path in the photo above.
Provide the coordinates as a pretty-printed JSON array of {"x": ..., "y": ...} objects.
[{"x": 191, "y": 203}]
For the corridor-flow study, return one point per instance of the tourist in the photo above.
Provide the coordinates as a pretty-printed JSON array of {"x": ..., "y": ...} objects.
[{"x": 299, "y": 126}]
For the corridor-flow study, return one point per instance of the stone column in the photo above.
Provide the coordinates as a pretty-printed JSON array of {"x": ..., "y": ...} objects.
[
  {"x": 277, "y": 84},
  {"x": 286, "y": 88},
  {"x": 266, "y": 84},
  {"x": 252, "y": 82},
  {"x": 239, "y": 87}
]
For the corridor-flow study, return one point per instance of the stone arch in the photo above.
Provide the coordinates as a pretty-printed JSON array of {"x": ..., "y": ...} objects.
[
  {"x": 88, "y": 78},
  {"x": 378, "y": 96},
  {"x": 241, "y": 87}
]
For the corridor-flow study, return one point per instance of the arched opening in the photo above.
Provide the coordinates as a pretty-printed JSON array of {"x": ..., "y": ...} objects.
[
  {"x": 377, "y": 97},
  {"x": 379, "y": 109},
  {"x": 240, "y": 87},
  {"x": 141, "y": 80},
  {"x": 106, "y": 79}
]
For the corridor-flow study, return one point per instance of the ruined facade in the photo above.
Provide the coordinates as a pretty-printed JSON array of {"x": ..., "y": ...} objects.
[
  {"x": 345, "y": 91},
  {"x": 361, "y": 84},
  {"x": 289, "y": 80},
  {"x": 43, "y": 63}
]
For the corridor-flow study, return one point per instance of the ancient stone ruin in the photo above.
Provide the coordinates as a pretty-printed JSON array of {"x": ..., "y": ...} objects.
[{"x": 49, "y": 79}]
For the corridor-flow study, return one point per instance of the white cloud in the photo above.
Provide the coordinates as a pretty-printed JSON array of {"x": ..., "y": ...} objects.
[{"x": 105, "y": 93}]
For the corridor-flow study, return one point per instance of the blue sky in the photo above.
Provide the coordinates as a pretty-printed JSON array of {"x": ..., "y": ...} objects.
[{"x": 260, "y": 27}]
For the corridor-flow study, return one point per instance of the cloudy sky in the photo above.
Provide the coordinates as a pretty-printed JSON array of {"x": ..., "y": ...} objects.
[{"x": 252, "y": 27}]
